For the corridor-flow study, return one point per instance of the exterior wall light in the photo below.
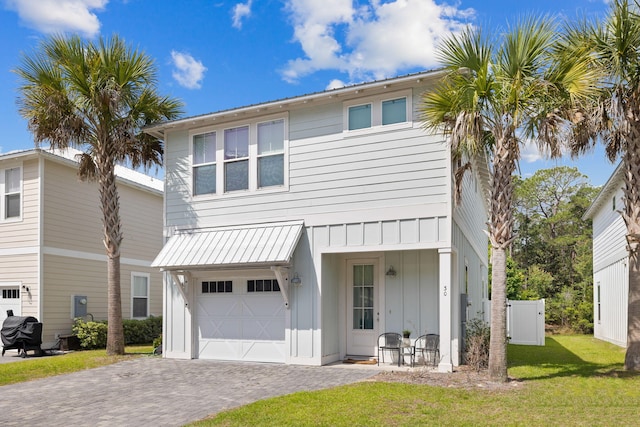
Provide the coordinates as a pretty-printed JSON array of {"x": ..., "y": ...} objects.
[
  {"x": 295, "y": 280},
  {"x": 391, "y": 272}
]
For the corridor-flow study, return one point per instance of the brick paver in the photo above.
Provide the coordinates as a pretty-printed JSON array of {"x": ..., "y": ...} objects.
[{"x": 151, "y": 391}]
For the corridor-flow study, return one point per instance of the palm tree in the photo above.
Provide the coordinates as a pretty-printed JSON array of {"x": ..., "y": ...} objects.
[
  {"x": 496, "y": 96},
  {"x": 96, "y": 97},
  {"x": 614, "y": 45}
]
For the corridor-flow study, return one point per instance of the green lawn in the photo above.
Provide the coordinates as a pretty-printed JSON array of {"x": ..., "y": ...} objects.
[
  {"x": 573, "y": 380},
  {"x": 46, "y": 366}
]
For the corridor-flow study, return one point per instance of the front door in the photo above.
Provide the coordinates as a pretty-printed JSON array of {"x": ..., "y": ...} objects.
[{"x": 362, "y": 306}]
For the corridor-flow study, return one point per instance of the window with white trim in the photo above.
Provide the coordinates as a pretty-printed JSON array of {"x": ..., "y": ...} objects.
[
  {"x": 250, "y": 157},
  {"x": 263, "y": 285},
  {"x": 11, "y": 190},
  {"x": 139, "y": 295},
  {"x": 383, "y": 110},
  {"x": 204, "y": 163},
  {"x": 236, "y": 159},
  {"x": 217, "y": 287},
  {"x": 271, "y": 153}
]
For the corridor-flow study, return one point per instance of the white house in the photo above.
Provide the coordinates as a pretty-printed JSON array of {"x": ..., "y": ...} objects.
[
  {"x": 610, "y": 266},
  {"x": 53, "y": 264},
  {"x": 299, "y": 230}
]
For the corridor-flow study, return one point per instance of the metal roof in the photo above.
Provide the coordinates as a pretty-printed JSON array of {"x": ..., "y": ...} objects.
[{"x": 241, "y": 246}]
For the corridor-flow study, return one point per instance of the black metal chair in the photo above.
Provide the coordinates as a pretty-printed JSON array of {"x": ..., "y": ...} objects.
[
  {"x": 428, "y": 346},
  {"x": 390, "y": 341}
]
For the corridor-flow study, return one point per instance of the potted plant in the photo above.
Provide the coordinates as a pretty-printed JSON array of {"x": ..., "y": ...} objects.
[{"x": 406, "y": 341}]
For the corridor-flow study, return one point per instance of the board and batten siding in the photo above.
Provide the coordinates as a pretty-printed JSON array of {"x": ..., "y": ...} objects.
[
  {"x": 330, "y": 171},
  {"x": 610, "y": 312}
]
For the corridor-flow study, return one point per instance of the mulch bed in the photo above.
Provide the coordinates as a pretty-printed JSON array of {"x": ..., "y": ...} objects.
[{"x": 462, "y": 377}]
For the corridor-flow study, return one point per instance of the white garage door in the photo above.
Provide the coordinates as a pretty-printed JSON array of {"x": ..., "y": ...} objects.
[
  {"x": 9, "y": 300},
  {"x": 241, "y": 320}
]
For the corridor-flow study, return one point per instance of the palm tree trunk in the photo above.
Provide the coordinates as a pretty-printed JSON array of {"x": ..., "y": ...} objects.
[
  {"x": 498, "y": 338},
  {"x": 115, "y": 329},
  {"x": 112, "y": 240},
  {"x": 631, "y": 215},
  {"x": 500, "y": 236}
]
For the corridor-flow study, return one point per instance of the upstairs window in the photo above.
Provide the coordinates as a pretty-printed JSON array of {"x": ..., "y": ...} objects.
[
  {"x": 11, "y": 190},
  {"x": 271, "y": 153},
  {"x": 360, "y": 117},
  {"x": 204, "y": 163},
  {"x": 228, "y": 161},
  {"x": 377, "y": 111},
  {"x": 394, "y": 111},
  {"x": 236, "y": 158}
]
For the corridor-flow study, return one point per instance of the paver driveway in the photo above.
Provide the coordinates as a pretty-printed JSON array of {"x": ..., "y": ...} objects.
[{"x": 151, "y": 391}]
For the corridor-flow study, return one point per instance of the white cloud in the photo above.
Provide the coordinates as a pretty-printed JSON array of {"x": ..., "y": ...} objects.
[
  {"x": 54, "y": 16},
  {"x": 335, "y": 84},
  {"x": 240, "y": 11},
  {"x": 188, "y": 71},
  {"x": 373, "y": 40},
  {"x": 530, "y": 152}
]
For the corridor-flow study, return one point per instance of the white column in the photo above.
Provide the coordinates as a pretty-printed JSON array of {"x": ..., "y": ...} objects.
[{"x": 445, "y": 300}]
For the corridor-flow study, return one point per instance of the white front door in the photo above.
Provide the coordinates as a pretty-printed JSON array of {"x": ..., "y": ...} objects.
[
  {"x": 9, "y": 300},
  {"x": 362, "y": 307}
]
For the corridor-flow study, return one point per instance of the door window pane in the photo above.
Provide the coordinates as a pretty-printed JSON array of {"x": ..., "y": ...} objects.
[
  {"x": 363, "y": 294},
  {"x": 394, "y": 111},
  {"x": 360, "y": 117}
]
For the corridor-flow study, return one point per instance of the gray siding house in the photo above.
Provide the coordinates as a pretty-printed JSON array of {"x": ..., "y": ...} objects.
[
  {"x": 299, "y": 230},
  {"x": 610, "y": 262}
]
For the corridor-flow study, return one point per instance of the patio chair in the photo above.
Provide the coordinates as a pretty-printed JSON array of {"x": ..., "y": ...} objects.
[
  {"x": 428, "y": 346},
  {"x": 390, "y": 341}
]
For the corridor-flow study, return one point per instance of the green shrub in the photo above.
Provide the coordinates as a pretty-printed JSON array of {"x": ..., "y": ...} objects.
[
  {"x": 91, "y": 334},
  {"x": 94, "y": 334},
  {"x": 142, "y": 331}
]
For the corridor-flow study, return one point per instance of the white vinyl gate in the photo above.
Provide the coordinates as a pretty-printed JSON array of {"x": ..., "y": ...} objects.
[{"x": 525, "y": 322}]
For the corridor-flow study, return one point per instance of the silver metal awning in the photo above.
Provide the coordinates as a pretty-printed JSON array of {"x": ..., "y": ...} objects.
[{"x": 231, "y": 247}]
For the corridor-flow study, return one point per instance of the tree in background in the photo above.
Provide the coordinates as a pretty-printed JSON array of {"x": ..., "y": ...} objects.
[
  {"x": 614, "y": 47},
  {"x": 496, "y": 95},
  {"x": 553, "y": 249},
  {"x": 96, "y": 98}
]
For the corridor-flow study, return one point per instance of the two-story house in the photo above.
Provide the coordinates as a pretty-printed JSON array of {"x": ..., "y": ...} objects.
[
  {"x": 610, "y": 262},
  {"x": 299, "y": 230},
  {"x": 53, "y": 264}
]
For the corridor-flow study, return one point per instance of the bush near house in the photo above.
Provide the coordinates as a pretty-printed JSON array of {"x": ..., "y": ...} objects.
[{"x": 94, "y": 334}]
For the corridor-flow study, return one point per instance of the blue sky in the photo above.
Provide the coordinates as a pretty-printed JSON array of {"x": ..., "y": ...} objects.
[{"x": 217, "y": 55}]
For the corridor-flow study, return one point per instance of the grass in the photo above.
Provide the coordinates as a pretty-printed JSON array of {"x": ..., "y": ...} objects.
[
  {"x": 572, "y": 380},
  {"x": 47, "y": 366}
]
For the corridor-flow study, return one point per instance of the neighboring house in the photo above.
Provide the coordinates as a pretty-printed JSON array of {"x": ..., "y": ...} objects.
[
  {"x": 53, "y": 264},
  {"x": 298, "y": 230},
  {"x": 610, "y": 266}
]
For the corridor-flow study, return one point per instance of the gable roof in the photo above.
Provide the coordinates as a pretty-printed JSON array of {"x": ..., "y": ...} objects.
[
  {"x": 68, "y": 156},
  {"x": 609, "y": 189},
  {"x": 396, "y": 83}
]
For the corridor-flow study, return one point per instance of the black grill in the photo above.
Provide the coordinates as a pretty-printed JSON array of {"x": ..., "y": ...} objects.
[{"x": 23, "y": 333}]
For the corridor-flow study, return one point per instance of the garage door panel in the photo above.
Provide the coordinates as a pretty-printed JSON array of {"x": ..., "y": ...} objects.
[
  {"x": 247, "y": 327},
  {"x": 263, "y": 329}
]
